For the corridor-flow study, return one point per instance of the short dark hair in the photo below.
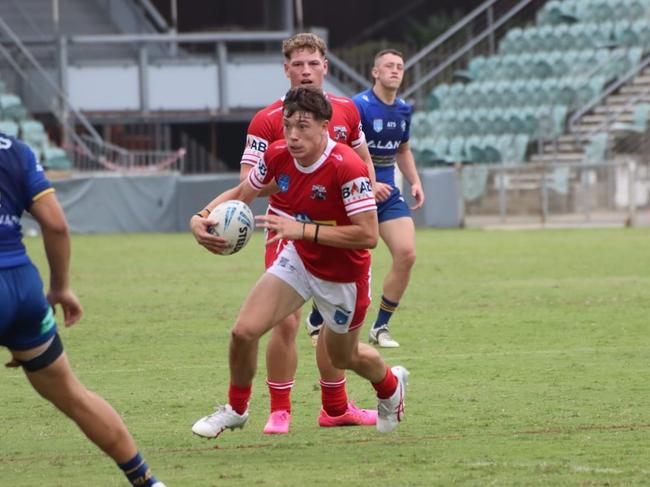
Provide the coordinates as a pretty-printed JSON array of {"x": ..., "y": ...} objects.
[
  {"x": 383, "y": 52},
  {"x": 307, "y": 99}
]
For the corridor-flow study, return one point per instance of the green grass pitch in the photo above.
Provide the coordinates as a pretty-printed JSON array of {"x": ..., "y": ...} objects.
[{"x": 528, "y": 353}]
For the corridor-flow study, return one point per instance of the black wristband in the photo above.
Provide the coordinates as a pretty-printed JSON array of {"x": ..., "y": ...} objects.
[
  {"x": 303, "y": 231},
  {"x": 316, "y": 233},
  {"x": 204, "y": 213}
]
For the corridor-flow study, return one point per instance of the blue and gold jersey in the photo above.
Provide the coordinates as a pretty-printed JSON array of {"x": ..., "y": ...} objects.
[
  {"x": 385, "y": 128},
  {"x": 22, "y": 181}
]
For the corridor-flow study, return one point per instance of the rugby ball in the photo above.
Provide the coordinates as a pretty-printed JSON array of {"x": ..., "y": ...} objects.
[{"x": 234, "y": 223}]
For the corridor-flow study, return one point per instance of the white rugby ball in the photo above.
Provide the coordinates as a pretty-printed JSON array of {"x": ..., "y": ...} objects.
[{"x": 234, "y": 223}]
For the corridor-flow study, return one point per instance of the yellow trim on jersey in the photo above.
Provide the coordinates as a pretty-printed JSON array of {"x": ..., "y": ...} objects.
[
  {"x": 331, "y": 223},
  {"x": 42, "y": 193}
]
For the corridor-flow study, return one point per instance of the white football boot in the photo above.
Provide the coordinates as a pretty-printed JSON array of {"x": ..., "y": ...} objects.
[
  {"x": 225, "y": 417},
  {"x": 382, "y": 337},
  {"x": 390, "y": 411},
  {"x": 312, "y": 331}
]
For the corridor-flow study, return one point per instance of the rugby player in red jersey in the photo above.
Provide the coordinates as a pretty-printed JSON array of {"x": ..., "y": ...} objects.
[
  {"x": 305, "y": 64},
  {"x": 321, "y": 235}
]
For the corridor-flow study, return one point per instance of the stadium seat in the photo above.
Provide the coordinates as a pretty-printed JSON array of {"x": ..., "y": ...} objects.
[
  {"x": 56, "y": 158},
  {"x": 12, "y": 107},
  {"x": 639, "y": 123},
  {"x": 9, "y": 127},
  {"x": 596, "y": 148},
  {"x": 33, "y": 133}
]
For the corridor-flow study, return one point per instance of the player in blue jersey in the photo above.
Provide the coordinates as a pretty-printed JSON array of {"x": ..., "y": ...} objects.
[
  {"x": 386, "y": 121},
  {"x": 27, "y": 325}
]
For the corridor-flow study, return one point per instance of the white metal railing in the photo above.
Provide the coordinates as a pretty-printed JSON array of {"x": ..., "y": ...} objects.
[
  {"x": 599, "y": 98},
  {"x": 434, "y": 62},
  {"x": 607, "y": 192},
  {"x": 104, "y": 156}
]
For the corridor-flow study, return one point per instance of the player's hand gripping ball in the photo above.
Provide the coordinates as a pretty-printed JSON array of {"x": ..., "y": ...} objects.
[{"x": 234, "y": 223}]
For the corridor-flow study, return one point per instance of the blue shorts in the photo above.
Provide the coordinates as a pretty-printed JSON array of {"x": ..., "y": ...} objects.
[
  {"x": 26, "y": 318},
  {"x": 394, "y": 207}
]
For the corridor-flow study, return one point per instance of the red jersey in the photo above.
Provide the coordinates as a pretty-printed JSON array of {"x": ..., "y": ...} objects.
[
  {"x": 328, "y": 192},
  {"x": 267, "y": 127}
]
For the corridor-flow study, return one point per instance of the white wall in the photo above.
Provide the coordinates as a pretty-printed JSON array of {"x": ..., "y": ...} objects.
[{"x": 178, "y": 86}]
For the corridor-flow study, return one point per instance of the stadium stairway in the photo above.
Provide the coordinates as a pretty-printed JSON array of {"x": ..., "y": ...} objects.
[{"x": 621, "y": 114}]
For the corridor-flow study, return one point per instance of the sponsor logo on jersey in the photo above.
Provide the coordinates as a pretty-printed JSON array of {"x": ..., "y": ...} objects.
[
  {"x": 403, "y": 125},
  {"x": 340, "y": 132},
  {"x": 388, "y": 145},
  {"x": 391, "y": 124},
  {"x": 355, "y": 190},
  {"x": 5, "y": 143},
  {"x": 377, "y": 124},
  {"x": 256, "y": 143},
  {"x": 283, "y": 182},
  {"x": 318, "y": 192}
]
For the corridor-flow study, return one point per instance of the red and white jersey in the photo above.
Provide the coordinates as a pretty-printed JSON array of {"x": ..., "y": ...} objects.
[
  {"x": 328, "y": 192},
  {"x": 267, "y": 127}
]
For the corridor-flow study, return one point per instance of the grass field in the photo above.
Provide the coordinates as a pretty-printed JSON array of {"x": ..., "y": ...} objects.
[{"x": 528, "y": 354}]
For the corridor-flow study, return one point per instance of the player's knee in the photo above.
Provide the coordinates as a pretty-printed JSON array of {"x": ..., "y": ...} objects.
[
  {"x": 405, "y": 259},
  {"x": 243, "y": 334}
]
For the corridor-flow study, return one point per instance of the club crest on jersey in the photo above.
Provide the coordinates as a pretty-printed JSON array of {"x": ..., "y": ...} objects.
[
  {"x": 318, "y": 192},
  {"x": 283, "y": 182},
  {"x": 378, "y": 124},
  {"x": 340, "y": 132}
]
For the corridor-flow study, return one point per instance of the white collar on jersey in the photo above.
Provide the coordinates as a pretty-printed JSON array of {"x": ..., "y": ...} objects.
[{"x": 319, "y": 162}]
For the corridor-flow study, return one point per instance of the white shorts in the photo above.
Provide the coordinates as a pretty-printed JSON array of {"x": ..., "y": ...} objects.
[{"x": 343, "y": 305}]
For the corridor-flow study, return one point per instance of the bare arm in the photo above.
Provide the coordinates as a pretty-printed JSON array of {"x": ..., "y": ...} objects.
[
  {"x": 406, "y": 164},
  {"x": 199, "y": 225},
  {"x": 48, "y": 213},
  {"x": 361, "y": 234}
]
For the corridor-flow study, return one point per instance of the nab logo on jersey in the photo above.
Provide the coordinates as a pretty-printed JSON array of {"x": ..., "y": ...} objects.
[{"x": 256, "y": 143}]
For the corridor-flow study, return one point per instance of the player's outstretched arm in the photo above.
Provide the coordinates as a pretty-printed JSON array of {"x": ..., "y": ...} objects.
[
  {"x": 48, "y": 213},
  {"x": 406, "y": 164}
]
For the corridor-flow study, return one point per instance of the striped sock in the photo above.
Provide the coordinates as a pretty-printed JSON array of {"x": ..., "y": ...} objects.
[
  {"x": 386, "y": 310},
  {"x": 334, "y": 397},
  {"x": 280, "y": 393},
  {"x": 238, "y": 397},
  {"x": 138, "y": 472}
]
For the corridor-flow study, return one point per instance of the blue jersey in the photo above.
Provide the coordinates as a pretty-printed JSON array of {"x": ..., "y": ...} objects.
[
  {"x": 22, "y": 181},
  {"x": 385, "y": 128}
]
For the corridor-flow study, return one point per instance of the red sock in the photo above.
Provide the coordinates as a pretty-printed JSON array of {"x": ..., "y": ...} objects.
[
  {"x": 334, "y": 397},
  {"x": 387, "y": 386},
  {"x": 238, "y": 397},
  {"x": 280, "y": 393}
]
